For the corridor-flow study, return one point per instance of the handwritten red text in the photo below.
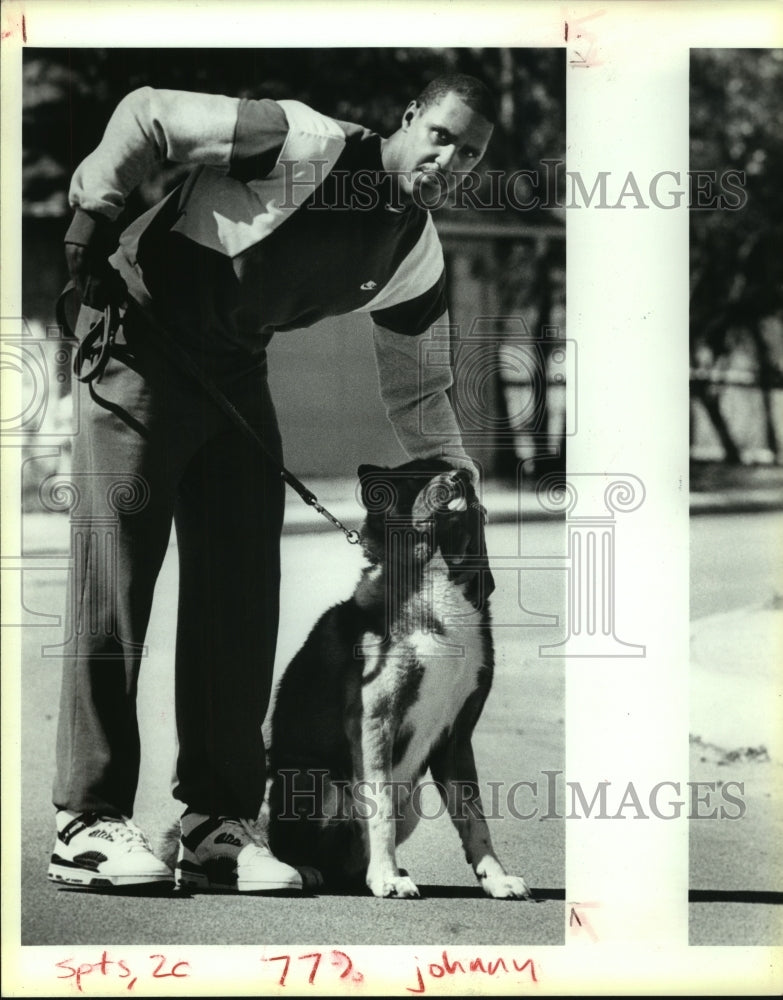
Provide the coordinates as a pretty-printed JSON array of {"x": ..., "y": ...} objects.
[
  {"x": 156, "y": 967},
  {"x": 338, "y": 960},
  {"x": 488, "y": 967}
]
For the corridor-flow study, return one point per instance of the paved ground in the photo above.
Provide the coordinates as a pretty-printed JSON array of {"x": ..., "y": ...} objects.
[
  {"x": 509, "y": 747},
  {"x": 736, "y": 695},
  {"x": 735, "y": 867}
]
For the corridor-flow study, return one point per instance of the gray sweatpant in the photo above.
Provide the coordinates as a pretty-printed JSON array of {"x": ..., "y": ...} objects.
[{"x": 150, "y": 447}]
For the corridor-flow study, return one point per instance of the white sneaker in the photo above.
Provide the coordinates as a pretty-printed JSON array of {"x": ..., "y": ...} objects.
[
  {"x": 217, "y": 853},
  {"x": 102, "y": 851}
]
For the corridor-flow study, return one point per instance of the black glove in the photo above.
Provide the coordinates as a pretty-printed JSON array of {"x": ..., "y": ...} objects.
[{"x": 90, "y": 240}]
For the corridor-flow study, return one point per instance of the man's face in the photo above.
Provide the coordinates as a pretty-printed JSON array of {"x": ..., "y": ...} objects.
[{"x": 447, "y": 138}]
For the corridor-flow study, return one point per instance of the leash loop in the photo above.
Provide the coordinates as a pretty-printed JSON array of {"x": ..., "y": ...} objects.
[
  {"x": 352, "y": 537},
  {"x": 96, "y": 346}
]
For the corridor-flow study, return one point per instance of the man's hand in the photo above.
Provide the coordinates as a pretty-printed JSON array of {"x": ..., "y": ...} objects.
[{"x": 90, "y": 239}]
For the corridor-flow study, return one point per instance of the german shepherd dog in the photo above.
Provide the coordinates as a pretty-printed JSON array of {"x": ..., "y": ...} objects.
[{"x": 390, "y": 683}]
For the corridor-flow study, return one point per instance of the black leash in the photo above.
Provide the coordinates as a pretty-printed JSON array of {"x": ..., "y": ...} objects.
[{"x": 99, "y": 341}]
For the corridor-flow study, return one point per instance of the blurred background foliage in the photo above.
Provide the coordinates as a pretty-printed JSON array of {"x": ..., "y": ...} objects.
[{"x": 736, "y": 319}]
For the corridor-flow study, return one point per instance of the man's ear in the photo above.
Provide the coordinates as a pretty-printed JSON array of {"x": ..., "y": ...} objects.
[{"x": 409, "y": 114}]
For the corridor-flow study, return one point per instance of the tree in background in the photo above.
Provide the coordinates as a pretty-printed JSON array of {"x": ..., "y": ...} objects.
[{"x": 736, "y": 256}]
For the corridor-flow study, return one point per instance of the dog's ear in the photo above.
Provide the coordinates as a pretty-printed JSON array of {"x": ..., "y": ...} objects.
[
  {"x": 379, "y": 489},
  {"x": 454, "y": 536},
  {"x": 471, "y": 569},
  {"x": 366, "y": 470},
  {"x": 367, "y": 474}
]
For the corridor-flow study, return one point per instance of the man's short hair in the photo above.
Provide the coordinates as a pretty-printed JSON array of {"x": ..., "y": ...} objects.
[{"x": 469, "y": 89}]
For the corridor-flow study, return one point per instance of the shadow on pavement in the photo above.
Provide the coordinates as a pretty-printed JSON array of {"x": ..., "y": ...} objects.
[
  {"x": 164, "y": 890},
  {"x": 735, "y": 896},
  {"x": 476, "y": 892},
  {"x": 446, "y": 892}
]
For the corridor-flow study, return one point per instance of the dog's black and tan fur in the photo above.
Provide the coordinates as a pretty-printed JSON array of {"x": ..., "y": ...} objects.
[{"x": 390, "y": 683}]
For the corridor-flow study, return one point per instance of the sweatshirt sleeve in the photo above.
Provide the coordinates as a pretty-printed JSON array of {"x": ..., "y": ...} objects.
[
  {"x": 414, "y": 393},
  {"x": 151, "y": 126}
]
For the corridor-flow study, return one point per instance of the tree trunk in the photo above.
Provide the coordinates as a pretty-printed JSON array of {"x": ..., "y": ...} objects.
[
  {"x": 769, "y": 379},
  {"x": 706, "y": 393}
]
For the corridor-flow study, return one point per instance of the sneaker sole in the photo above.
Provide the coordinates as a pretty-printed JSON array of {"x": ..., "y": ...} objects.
[
  {"x": 215, "y": 888},
  {"x": 189, "y": 878},
  {"x": 96, "y": 880},
  {"x": 259, "y": 887},
  {"x": 91, "y": 880}
]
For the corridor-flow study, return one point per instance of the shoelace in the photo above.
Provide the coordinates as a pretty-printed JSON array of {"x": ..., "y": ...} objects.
[{"x": 126, "y": 830}]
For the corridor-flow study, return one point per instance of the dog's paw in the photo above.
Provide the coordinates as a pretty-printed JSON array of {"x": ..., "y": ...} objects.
[
  {"x": 505, "y": 887},
  {"x": 393, "y": 887}
]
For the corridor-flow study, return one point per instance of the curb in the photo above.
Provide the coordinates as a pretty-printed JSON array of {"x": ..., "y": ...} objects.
[
  {"x": 48, "y": 534},
  {"x": 508, "y": 507},
  {"x": 736, "y": 501},
  {"x": 736, "y": 712}
]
